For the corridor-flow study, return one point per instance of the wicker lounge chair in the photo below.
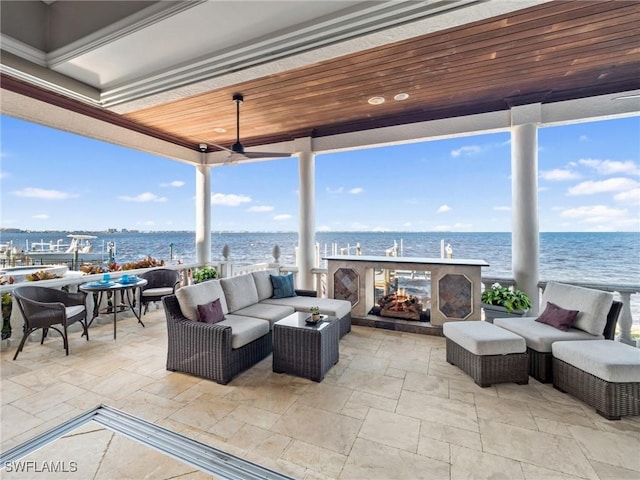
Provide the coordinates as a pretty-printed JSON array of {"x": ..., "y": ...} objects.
[{"x": 204, "y": 349}]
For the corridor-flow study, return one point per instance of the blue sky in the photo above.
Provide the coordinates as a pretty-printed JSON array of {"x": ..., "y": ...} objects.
[{"x": 589, "y": 181}]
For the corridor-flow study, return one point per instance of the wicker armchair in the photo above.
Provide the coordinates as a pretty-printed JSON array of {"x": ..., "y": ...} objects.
[
  {"x": 45, "y": 308},
  {"x": 160, "y": 282},
  {"x": 204, "y": 349}
]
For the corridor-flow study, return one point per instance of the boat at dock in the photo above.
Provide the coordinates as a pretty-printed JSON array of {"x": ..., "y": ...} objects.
[{"x": 78, "y": 250}]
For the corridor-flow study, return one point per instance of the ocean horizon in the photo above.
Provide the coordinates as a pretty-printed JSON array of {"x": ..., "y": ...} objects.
[{"x": 611, "y": 258}]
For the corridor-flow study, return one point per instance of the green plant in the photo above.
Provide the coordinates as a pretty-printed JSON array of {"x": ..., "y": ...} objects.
[
  {"x": 507, "y": 297},
  {"x": 315, "y": 310},
  {"x": 203, "y": 274}
]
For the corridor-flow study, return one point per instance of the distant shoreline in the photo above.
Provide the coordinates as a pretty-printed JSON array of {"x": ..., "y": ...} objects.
[{"x": 126, "y": 231}]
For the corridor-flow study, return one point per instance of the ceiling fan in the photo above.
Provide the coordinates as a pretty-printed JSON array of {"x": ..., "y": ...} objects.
[{"x": 237, "y": 152}]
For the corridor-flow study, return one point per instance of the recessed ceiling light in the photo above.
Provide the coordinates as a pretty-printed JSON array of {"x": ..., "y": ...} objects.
[
  {"x": 401, "y": 96},
  {"x": 219, "y": 130},
  {"x": 376, "y": 100}
]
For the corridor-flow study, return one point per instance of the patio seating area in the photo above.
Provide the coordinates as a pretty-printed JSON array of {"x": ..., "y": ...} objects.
[{"x": 392, "y": 407}]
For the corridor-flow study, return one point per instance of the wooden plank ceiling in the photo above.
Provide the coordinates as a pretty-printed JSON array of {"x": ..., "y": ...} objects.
[{"x": 555, "y": 51}]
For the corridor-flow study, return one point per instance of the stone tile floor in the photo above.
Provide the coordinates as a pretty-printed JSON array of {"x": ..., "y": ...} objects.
[{"x": 392, "y": 408}]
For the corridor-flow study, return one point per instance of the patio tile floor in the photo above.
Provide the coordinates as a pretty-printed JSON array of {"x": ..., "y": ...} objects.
[{"x": 392, "y": 408}]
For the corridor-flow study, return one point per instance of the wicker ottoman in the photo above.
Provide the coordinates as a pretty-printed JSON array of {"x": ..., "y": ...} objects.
[
  {"x": 303, "y": 349},
  {"x": 602, "y": 373},
  {"x": 489, "y": 354}
]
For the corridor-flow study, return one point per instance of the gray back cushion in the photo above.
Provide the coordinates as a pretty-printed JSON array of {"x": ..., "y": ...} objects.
[
  {"x": 239, "y": 291},
  {"x": 263, "y": 283},
  {"x": 200, "y": 294},
  {"x": 592, "y": 305}
]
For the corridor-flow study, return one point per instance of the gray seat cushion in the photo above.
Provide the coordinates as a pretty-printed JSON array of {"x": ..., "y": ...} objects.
[
  {"x": 156, "y": 292},
  {"x": 245, "y": 330},
  {"x": 611, "y": 361},
  {"x": 273, "y": 313},
  {"x": 540, "y": 336},
  {"x": 328, "y": 306},
  {"x": 483, "y": 338}
]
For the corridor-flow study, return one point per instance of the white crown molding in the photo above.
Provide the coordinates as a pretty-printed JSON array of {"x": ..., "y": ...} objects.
[
  {"x": 243, "y": 64},
  {"x": 22, "y": 50},
  {"x": 131, "y": 24}
]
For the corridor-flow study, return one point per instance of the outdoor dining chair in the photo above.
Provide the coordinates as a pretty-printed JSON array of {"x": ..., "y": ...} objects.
[
  {"x": 45, "y": 308},
  {"x": 160, "y": 282}
]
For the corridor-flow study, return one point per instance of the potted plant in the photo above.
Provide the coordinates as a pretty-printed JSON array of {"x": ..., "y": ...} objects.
[
  {"x": 499, "y": 301},
  {"x": 315, "y": 313},
  {"x": 203, "y": 274}
]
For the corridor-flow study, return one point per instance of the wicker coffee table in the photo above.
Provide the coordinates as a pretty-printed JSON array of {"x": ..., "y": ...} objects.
[{"x": 303, "y": 349}]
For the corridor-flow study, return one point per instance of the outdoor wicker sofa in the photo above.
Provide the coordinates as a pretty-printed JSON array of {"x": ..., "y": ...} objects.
[
  {"x": 219, "y": 351},
  {"x": 596, "y": 321},
  {"x": 205, "y": 349}
]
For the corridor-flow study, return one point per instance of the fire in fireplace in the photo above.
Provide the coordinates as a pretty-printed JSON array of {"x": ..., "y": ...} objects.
[{"x": 399, "y": 304}]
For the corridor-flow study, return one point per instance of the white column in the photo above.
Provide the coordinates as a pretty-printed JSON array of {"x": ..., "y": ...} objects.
[
  {"x": 306, "y": 214},
  {"x": 525, "y": 230},
  {"x": 203, "y": 214}
]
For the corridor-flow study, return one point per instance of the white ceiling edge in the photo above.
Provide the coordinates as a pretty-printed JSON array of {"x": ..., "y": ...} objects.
[
  {"x": 36, "y": 111},
  {"x": 603, "y": 107},
  {"x": 464, "y": 15},
  {"x": 552, "y": 114}
]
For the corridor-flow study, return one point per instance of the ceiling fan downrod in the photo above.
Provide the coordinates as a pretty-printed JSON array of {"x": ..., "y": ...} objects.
[{"x": 237, "y": 147}]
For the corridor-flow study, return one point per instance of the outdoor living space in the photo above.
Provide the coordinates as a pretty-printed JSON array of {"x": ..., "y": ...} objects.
[{"x": 392, "y": 407}]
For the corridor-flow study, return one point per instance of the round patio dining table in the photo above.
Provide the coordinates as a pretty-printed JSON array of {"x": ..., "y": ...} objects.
[{"x": 126, "y": 288}]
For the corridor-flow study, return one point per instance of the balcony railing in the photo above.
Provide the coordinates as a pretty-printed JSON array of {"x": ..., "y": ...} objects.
[{"x": 228, "y": 269}]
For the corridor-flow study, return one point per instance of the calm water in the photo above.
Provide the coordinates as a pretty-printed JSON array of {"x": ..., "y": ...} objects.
[{"x": 584, "y": 257}]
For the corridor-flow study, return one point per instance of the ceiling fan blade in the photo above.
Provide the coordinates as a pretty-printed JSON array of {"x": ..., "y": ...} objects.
[
  {"x": 220, "y": 147},
  {"x": 266, "y": 154}
]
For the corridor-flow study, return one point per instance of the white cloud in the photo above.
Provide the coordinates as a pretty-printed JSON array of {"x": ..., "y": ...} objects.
[
  {"x": 443, "y": 208},
  {"x": 356, "y": 190},
  {"x": 175, "y": 183},
  {"x": 229, "y": 199},
  {"x": 32, "y": 192},
  {"x": 260, "y": 208},
  {"x": 41, "y": 216},
  {"x": 379, "y": 229},
  {"x": 501, "y": 208},
  {"x": 324, "y": 228},
  {"x": 4, "y": 174},
  {"x": 143, "y": 198},
  {"x": 604, "y": 186},
  {"x": 594, "y": 213},
  {"x": 630, "y": 196},
  {"x": 147, "y": 223},
  {"x": 360, "y": 226},
  {"x": 603, "y": 218},
  {"x": 467, "y": 150},
  {"x": 282, "y": 217},
  {"x": 442, "y": 228},
  {"x": 611, "y": 167},
  {"x": 407, "y": 224},
  {"x": 583, "y": 138},
  {"x": 559, "y": 175},
  {"x": 463, "y": 226},
  {"x": 334, "y": 191}
]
